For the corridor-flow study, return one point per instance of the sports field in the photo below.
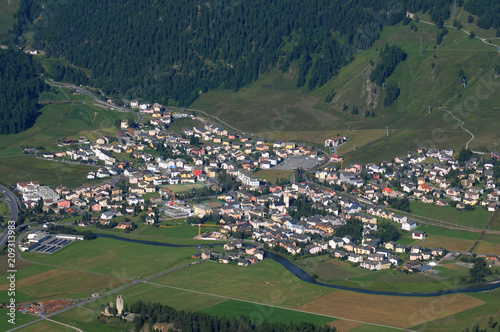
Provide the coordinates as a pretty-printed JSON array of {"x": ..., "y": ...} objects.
[{"x": 183, "y": 188}]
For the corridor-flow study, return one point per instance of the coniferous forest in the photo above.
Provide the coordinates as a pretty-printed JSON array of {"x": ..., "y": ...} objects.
[
  {"x": 151, "y": 313},
  {"x": 19, "y": 89},
  {"x": 171, "y": 51}
]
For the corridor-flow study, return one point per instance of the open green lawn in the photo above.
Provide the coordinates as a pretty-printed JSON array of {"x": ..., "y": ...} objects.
[
  {"x": 478, "y": 218},
  {"x": 495, "y": 225},
  {"x": 259, "y": 313},
  {"x": 272, "y": 176},
  {"x": 266, "y": 282},
  {"x": 117, "y": 258},
  {"x": 338, "y": 272},
  {"x": 453, "y": 233}
]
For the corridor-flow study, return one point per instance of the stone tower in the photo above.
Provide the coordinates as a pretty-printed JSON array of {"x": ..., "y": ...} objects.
[{"x": 119, "y": 304}]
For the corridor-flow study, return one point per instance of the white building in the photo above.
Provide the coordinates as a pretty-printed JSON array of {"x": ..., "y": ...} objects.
[{"x": 248, "y": 178}]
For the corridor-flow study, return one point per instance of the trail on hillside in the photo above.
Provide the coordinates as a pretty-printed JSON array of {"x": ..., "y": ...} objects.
[
  {"x": 462, "y": 123},
  {"x": 464, "y": 31}
]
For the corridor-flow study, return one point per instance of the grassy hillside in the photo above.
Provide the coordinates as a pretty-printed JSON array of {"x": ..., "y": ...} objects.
[
  {"x": 8, "y": 8},
  {"x": 274, "y": 108},
  {"x": 58, "y": 120}
]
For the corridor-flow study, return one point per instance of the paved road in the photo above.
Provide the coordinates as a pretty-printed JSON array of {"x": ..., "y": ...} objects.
[
  {"x": 15, "y": 206},
  {"x": 13, "y": 201}
]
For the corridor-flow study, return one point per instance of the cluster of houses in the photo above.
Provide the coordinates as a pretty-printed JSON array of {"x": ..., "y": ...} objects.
[
  {"x": 236, "y": 252},
  {"x": 418, "y": 179},
  {"x": 263, "y": 217}
]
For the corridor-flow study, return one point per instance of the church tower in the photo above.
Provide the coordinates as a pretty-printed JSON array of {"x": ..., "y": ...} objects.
[
  {"x": 119, "y": 304},
  {"x": 286, "y": 198}
]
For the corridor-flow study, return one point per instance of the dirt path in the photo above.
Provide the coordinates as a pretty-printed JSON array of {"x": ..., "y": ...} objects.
[{"x": 464, "y": 31}]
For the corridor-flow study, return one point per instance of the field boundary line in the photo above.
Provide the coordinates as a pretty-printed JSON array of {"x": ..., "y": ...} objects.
[
  {"x": 54, "y": 321},
  {"x": 275, "y": 306}
]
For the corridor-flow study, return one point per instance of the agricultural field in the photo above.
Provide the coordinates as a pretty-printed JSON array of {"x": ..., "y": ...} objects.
[
  {"x": 478, "y": 218},
  {"x": 49, "y": 173},
  {"x": 62, "y": 283},
  {"x": 179, "y": 299},
  {"x": 39, "y": 282},
  {"x": 467, "y": 318},
  {"x": 116, "y": 258},
  {"x": 47, "y": 326},
  {"x": 272, "y": 176},
  {"x": 489, "y": 244},
  {"x": 454, "y": 233},
  {"x": 402, "y": 312},
  {"x": 266, "y": 282},
  {"x": 87, "y": 321},
  {"x": 20, "y": 319},
  {"x": 450, "y": 243}
]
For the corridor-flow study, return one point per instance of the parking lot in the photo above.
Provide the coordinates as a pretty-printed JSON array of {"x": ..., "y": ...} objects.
[
  {"x": 293, "y": 163},
  {"x": 49, "y": 245}
]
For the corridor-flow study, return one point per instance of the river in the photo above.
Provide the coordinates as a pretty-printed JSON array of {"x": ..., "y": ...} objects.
[{"x": 304, "y": 276}]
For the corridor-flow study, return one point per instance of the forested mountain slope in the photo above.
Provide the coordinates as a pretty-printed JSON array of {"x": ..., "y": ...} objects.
[
  {"x": 19, "y": 89},
  {"x": 171, "y": 51}
]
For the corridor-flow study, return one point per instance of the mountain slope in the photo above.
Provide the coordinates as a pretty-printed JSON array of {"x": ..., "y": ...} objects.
[
  {"x": 170, "y": 51},
  {"x": 305, "y": 116}
]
